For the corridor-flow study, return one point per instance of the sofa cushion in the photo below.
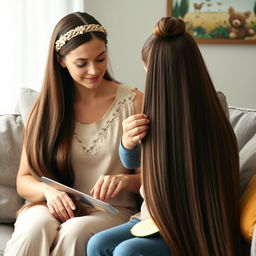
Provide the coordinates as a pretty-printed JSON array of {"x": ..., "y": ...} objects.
[
  {"x": 27, "y": 98},
  {"x": 243, "y": 122},
  {"x": 223, "y": 102},
  {"x": 247, "y": 163},
  {"x": 10, "y": 203},
  {"x": 11, "y": 129}
]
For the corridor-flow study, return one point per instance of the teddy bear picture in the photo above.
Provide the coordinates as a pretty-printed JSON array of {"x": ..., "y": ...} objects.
[
  {"x": 237, "y": 22},
  {"x": 217, "y": 21}
]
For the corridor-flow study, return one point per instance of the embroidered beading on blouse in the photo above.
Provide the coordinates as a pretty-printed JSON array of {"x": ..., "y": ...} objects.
[{"x": 89, "y": 149}]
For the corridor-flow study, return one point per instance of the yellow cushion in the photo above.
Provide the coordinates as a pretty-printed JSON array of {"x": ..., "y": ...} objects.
[
  {"x": 144, "y": 228},
  {"x": 248, "y": 209}
]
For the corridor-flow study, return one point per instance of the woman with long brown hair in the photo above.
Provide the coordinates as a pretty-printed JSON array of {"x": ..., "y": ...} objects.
[
  {"x": 72, "y": 136},
  {"x": 190, "y": 158}
]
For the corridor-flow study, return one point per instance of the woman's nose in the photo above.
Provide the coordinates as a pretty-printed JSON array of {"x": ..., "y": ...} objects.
[{"x": 92, "y": 69}]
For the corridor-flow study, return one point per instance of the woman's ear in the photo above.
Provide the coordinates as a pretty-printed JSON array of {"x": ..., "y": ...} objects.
[{"x": 61, "y": 61}]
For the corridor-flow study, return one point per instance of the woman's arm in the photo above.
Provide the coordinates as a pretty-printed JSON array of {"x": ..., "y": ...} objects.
[
  {"x": 28, "y": 186},
  {"x": 59, "y": 203}
]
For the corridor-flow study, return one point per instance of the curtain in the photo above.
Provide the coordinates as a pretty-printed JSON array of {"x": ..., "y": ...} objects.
[{"x": 25, "y": 31}]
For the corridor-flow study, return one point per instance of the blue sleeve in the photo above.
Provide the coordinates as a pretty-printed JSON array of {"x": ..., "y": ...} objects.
[{"x": 130, "y": 158}]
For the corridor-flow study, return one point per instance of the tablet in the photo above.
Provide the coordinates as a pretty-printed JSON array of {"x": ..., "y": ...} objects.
[{"x": 77, "y": 195}]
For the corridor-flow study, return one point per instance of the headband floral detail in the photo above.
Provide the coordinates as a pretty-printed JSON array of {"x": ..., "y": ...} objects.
[{"x": 78, "y": 31}]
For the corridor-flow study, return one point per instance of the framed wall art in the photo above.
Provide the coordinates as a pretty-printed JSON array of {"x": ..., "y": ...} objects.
[{"x": 217, "y": 21}]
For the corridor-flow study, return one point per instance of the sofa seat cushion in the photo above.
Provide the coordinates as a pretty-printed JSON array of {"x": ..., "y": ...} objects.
[{"x": 5, "y": 234}]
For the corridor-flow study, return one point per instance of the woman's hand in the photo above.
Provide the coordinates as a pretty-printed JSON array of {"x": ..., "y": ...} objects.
[
  {"x": 59, "y": 203},
  {"x": 109, "y": 186},
  {"x": 134, "y": 129}
]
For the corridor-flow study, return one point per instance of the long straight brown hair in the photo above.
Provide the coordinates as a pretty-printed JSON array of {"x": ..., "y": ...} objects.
[
  {"x": 50, "y": 128},
  {"x": 190, "y": 157}
]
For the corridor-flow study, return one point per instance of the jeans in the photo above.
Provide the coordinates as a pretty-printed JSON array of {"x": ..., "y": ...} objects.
[{"x": 119, "y": 241}]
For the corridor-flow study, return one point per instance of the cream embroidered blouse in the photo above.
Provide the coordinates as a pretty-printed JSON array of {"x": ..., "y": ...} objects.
[{"x": 94, "y": 149}]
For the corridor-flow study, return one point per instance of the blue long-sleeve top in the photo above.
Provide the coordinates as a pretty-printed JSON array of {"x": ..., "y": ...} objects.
[{"x": 130, "y": 158}]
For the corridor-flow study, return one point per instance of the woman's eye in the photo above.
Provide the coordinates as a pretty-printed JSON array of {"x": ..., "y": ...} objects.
[
  {"x": 100, "y": 60},
  {"x": 81, "y": 65}
]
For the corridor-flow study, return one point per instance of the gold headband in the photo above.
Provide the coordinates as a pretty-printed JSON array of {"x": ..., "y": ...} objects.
[{"x": 78, "y": 31}]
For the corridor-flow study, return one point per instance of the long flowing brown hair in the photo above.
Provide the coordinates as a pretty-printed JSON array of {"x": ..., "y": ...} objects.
[
  {"x": 190, "y": 155},
  {"x": 50, "y": 128}
]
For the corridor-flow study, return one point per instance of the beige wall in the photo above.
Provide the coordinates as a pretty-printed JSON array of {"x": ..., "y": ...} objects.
[{"x": 129, "y": 22}]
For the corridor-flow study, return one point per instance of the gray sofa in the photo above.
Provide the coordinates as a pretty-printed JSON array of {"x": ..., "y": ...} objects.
[
  {"x": 11, "y": 136},
  {"x": 11, "y": 130}
]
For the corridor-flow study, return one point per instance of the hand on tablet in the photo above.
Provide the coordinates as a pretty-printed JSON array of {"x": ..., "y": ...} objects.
[
  {"x": 109, "y": 186},
  {"x": 60, "y": 204}
]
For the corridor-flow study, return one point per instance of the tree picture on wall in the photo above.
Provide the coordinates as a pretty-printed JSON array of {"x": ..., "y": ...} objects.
[{"x": 217, "y": 21}]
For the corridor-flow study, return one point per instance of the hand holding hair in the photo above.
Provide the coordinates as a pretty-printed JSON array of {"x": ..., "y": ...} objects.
[{"x": 134, "y": 129}]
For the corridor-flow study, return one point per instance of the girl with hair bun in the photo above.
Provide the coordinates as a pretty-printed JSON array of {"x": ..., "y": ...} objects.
[{"x": 190, "y": 160}]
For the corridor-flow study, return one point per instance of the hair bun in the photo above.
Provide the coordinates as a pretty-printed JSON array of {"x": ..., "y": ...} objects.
[{"x": 169, "y": 27}]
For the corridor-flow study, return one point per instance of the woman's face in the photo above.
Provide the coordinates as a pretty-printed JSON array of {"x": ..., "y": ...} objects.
[{"x": 87, "y": 63}]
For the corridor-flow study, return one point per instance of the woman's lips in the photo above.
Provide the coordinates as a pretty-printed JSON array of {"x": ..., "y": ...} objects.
[{"x": 92, "y": 79}]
